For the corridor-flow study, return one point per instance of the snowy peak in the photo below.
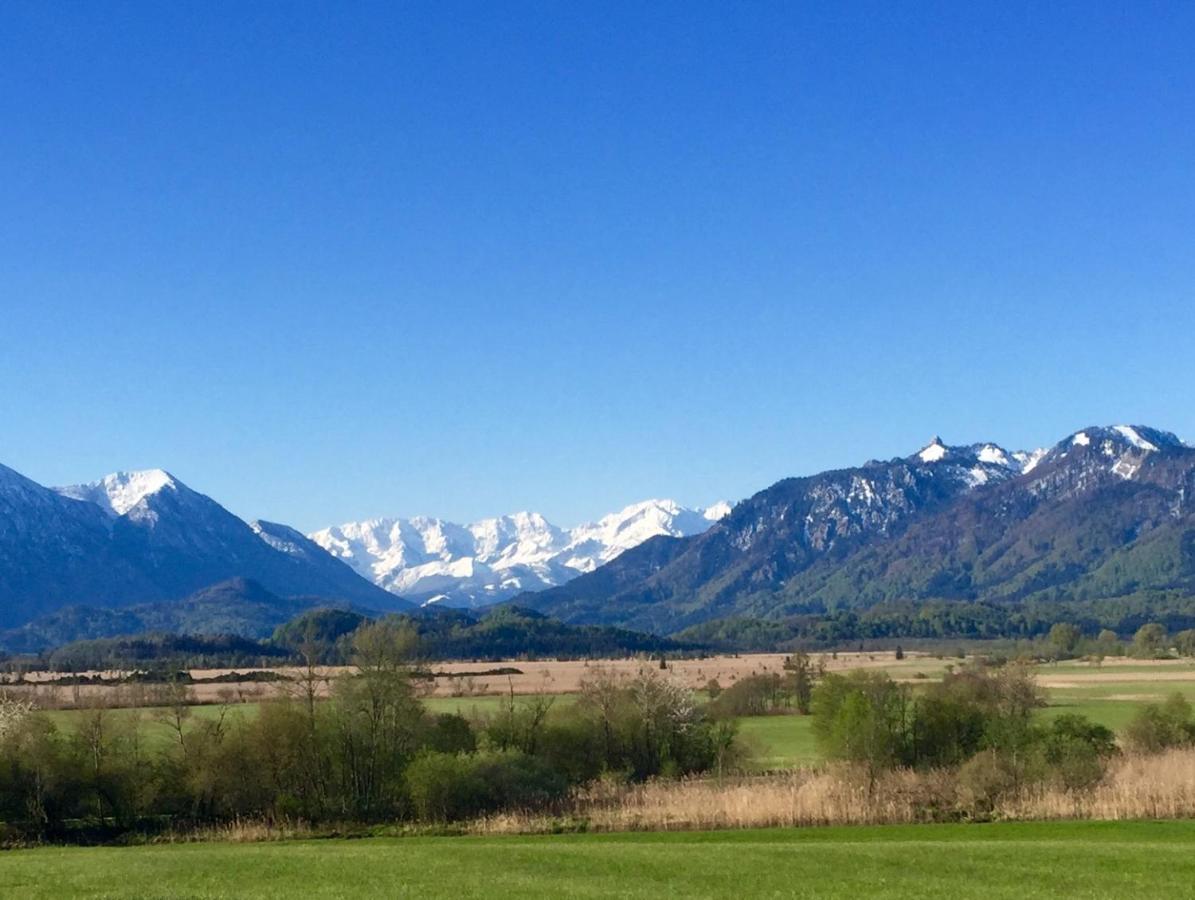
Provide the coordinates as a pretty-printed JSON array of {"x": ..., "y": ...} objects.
[
  {"x": 1150, "y": 439},
  {"x": 985, "y": 459},
  {"x": 1111, "y": 439},
  {"x": 117, "y": 494},
  {"x": 1119, "y": 449},
  {"x": 135, "y": 537},
  {"x": 717, "y": 511},
  {"x": 493, "y": 559},
  {"x": 598, "y": 542},
  {"x": 934, "y": 451}
]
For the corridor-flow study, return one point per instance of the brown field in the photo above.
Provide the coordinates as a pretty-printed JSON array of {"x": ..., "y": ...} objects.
[
  {"x": 465, "y": 679},
  {"x": 536, "y": 677}
]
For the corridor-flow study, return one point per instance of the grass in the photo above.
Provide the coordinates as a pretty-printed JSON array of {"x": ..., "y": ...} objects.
[
  {"x": 1011, "y": 860},
  {"x": 780, "y": 742},
  {"x": 1114, "y": 704},
  {"x": 154, "y": 732},
  {"x": 487, "y": 703}
]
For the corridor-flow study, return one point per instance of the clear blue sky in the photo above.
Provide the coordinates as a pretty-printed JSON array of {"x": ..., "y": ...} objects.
[{"x": 341, "y": 260}]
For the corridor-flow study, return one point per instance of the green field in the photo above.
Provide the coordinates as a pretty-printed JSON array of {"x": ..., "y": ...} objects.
[
  {"x": 779, "y": 742},
  {"x": 1073, "y": 859},
  {"x": 1113, "y": 704},
  {"x": 154, "y": 731},
  {"x": 487, "y": 704}
]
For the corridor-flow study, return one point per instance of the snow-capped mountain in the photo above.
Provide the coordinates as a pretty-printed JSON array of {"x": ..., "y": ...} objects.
[
  {"x": 430, "y": 560},
  {"x": 136, "y": 537},
  {"x": 123, "y": 493}
]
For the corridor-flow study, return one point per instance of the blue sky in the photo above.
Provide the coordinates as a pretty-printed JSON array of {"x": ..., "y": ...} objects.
[{"x": 330, "y": 261}]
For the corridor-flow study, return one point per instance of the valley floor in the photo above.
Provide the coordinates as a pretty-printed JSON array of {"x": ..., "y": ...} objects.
[{"x": 1010, "y": 860}]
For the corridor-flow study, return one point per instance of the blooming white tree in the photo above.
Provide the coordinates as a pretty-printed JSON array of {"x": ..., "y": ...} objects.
[{"x": 13, "y": 713}]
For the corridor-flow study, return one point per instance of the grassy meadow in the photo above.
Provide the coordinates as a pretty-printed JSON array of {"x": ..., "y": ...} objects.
[{"x": 1010, "y": 860}]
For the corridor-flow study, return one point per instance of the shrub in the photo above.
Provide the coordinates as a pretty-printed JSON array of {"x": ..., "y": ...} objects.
[
  {"x": 451, "y": 733},
  {"x": 1159, "y": 727},
  {"x": 515, "y": 781},
  {"x": 982, "y": 781},
  {"x": 445, "y": 787},
  {"x": 1075, "y": 751}
]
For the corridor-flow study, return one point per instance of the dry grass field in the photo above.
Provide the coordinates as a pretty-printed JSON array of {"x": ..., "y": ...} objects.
[{"x": 468, "y": 678}]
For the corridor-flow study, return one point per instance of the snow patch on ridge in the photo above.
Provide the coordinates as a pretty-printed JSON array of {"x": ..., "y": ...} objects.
[
  {"x": 1130, "y": 434},
  {"x": 1028, "y": 460},
  {"x": 990, "y": 453}
]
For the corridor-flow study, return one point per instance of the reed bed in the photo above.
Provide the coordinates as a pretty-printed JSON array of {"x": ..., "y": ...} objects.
[{"x": 1135, "y": 787}]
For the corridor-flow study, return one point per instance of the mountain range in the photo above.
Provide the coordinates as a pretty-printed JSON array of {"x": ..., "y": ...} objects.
[
  {"x": 1104, "y": 515},
  {"x": 143, "y": 539},
  {"x": 433, "y": 561},
  {"x": 1108, "y": 512}
]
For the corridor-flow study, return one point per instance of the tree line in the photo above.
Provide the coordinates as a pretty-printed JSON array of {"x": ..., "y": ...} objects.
[
  {"x": 505, "y": 632},
  {"x": 369, "y": 752},
  {"x": 939, "y": 620}
]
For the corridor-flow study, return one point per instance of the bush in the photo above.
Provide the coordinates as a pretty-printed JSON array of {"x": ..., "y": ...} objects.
[
  {"x": 1075, "y": 751},
  {"x": 982, "y": 781},
  {"x": 451, "y": 733},
  {"x": 515, "y": 781},
  {"x": 447, "y": 787},
  {"x": 1159, "y": 727}
]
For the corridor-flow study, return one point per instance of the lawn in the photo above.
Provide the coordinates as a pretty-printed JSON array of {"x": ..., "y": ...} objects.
[{"x": 1083, "y": 859}]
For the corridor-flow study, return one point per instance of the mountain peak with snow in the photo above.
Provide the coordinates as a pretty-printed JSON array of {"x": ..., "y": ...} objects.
[
  {"x": 1110, "y": 438},
  {"x": 430, "y": 560},
  {"x": 934, "y": 451},
  {"x": 120, "y": 492},
  {"x": 980, "y": 457},
  {"x": 1122, "y": 449}
]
